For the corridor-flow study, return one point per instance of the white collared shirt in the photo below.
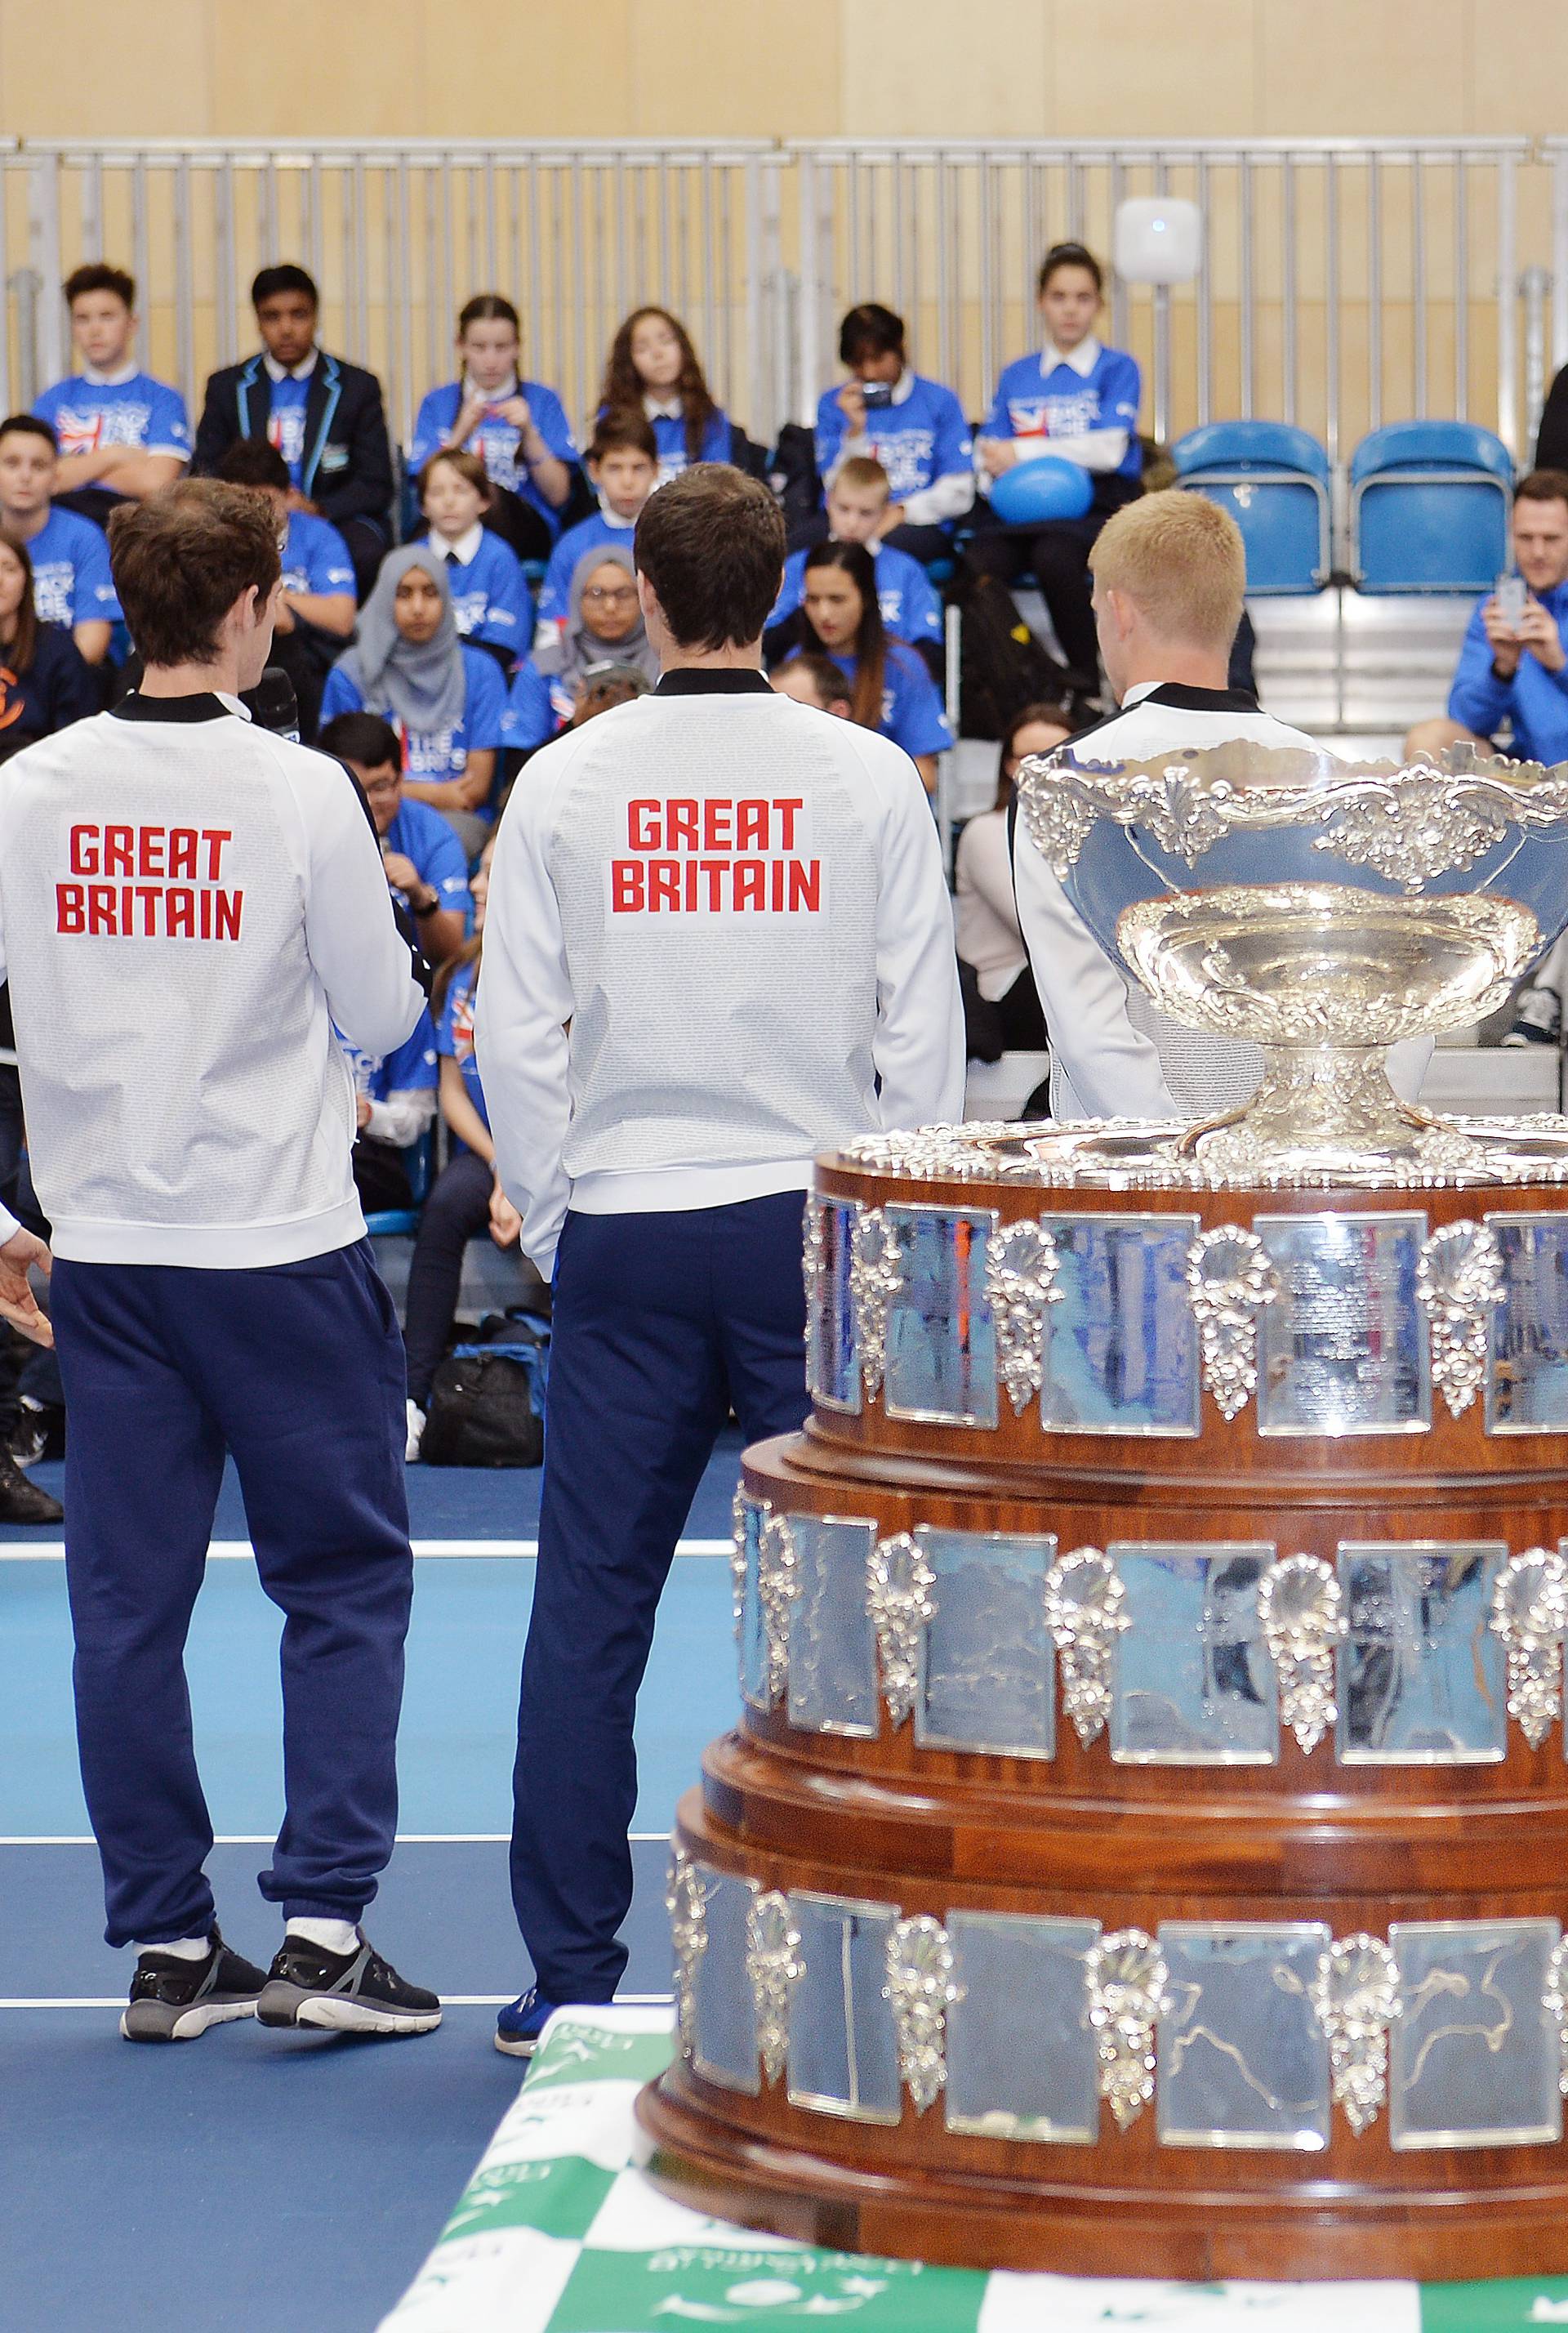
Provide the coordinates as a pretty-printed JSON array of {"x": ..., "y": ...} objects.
[
  {"x": 463, "y": 549},
  {"x": 301, "y": 371},
  {"x": 108, "y": 380},
  {"x": 1081, "y": 360},
  {"x": 663, "y": 409}
]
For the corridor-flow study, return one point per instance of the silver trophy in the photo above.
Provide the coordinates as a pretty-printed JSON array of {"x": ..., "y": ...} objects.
[{"x": 1323, "y": 910}]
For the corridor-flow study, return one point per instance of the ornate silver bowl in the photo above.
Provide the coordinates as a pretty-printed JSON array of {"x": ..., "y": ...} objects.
[{"x": 1320, "y": 909}]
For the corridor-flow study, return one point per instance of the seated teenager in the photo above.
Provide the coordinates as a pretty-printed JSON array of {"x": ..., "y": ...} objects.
[
  {"x": 394, "y": 1102},
  {"x": 623, "y": 465},
  {"x": 1002, "y": 1004},
  {"x": 914, "y": 427},
  {"x": 324, "y": 416},
  {"x": 316, "y": 608},
  {"x": 604, "y": 630},
  {"x": 517, "y": 427},
  {"x": 1078, "y": 401},
  {"x": 71, "y": 584},
  {"x": 491, "y": 600},
  {"x": 857, "y": 503},
  {"x": 890, "y": 690},
  {"x": 427, "y": 867},
  {"x": 654, "y": 369},
  {"x": 1514, "y": 668},
  {"x": 44, "y": 683},
  {"x": 445, "y": 698},
  {"x": 814, "y": 680},
  {"x": 121, "y": 435},
  {"x": 466, "y": 1197}
]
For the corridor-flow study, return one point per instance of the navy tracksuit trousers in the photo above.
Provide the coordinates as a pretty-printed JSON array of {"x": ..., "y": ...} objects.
[
  {"x": 661, "y": 1323},
  {"x": 298, "y": 1369}
]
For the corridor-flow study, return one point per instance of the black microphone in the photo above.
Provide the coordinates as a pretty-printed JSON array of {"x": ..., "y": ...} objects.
[{"x": 272, "y": 704}]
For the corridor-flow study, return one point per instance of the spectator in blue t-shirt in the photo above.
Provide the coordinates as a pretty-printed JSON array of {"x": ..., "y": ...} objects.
[
  {"x": 623, "y": 464},
  {"x": 1514, "y": 670},
  {"x": 121, "y": 435},
  {"x": 427, "y": 867},
  {"x": 1078, "y": 401},
  {"x": 394, "y": 1102},
  {"x": 72, "y": 584},
  {"x": 654, "y": 369},
  {"x": 914, "y": 427},
  {"x": 45, "y": 685},
  {"x": 518, "y": 428},
  {"x": 316, "y": 608},
  {"x": 446, "y": 700},
  {"x": 890, "y": 689},
  {"x": 857, "y": 503},
  {"x": 491, "y": 600}
]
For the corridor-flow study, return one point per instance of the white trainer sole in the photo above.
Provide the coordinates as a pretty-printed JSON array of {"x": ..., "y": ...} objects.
[
  {"x": 516, "y": 2049},
  {"x": 193, "y": 2022},
  {"x": 336, "y": 2014}
]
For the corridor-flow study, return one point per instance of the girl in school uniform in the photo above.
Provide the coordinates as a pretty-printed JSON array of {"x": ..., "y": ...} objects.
[
  {"x": 491, "y": 601},
  {"x": 518, "y": 428},
  {"x": 653, "y": 368},
  {"x": 44, "y": 685},
  {"x": 890, "y": 689}
]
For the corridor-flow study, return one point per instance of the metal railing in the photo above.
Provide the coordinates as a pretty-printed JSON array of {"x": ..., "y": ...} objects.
[{"x": 1345, "y": 282}]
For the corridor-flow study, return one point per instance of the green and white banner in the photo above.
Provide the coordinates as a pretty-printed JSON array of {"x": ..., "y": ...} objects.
[{"x": 557, "y": 2233}]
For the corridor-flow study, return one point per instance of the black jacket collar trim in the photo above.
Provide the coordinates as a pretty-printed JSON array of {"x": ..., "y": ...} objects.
[
  {"x": 719, "y": 680},
  {"x": 1183, "y": 699},
  {"x": 203, "y": 706}
]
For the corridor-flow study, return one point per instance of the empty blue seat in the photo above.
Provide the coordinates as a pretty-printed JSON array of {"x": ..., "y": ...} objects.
[
  {"x": 1273, "y": 480},
  {"x": 1430, "y": 504},
  {"x": 392, "y": 1223}
]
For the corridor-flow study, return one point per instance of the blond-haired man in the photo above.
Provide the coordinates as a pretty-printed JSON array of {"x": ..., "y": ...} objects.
[{"x": 1170, "y": 574}]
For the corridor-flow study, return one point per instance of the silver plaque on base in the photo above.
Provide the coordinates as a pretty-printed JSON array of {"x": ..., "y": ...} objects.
[
  {"x": 1122, "y": 1346},
  {"x": 843, "y": 2055},
  {"x": 1527, "y": 1365},
  {"x": 1422, "y": 1674},
  {"x": 1021, "y": 2060},
  {"x": 832, "y": 1644},
  {"x": 752, "y": 1629},
  {"x": 1343, "y": 1348},
  {"x": 1193, "y": 1684},
  {"x": 941, "y": 1367},
  {"x": 724, "y": 2049},
  {"x": 1474, "y": 2053},
  {"x": 988, "y": 1670},
  {"x": 832, "y": 1350},
  {"x": 1243, "y": 2059}
]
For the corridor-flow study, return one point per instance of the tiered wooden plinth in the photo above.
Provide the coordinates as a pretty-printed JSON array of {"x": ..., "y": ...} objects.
[{"x": 1361, "y": 1848}]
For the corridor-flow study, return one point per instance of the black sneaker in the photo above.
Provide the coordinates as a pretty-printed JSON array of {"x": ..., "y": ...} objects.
[
  {"x": 343, "y": 1993},
  {"x": 21, "y": 1502},
  {"x": 174, "y": 2000}
]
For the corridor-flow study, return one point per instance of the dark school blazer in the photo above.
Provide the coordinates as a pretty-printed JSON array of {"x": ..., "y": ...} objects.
[{"x": 348, "y": 464}]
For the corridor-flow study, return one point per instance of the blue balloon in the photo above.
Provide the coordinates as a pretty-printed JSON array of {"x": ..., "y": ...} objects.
[{"x": 1043, "y": 488}]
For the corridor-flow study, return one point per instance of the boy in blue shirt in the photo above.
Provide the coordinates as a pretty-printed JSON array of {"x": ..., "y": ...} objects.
[
  {"x": 859, "y": 501},
  {"x": 71, "y": 584},
  {"x": 1079, "y": 401},
  {"x": 623, "y": 463},
  {"x": 427, "y": 867},
  {"x": 914, "y": 427},
  {"x": 1516, "y": 669},
  {"x": 315, "y": 613},
  {"x": 121, "y": 435},
  {"x": 394, "y": 1102},
  {"x": 491, "y": 600}
]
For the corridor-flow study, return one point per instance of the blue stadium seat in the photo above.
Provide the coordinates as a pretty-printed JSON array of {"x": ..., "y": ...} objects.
[
  {"x": 1430, "y": 504},
  {"x": 1273, "y": 480},
  {"x": 395, "y": 1222}
]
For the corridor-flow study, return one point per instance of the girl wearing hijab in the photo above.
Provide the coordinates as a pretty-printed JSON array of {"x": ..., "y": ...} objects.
[
  {"x": 604, "y": 627},
  {"x": 446, "y": 700}
]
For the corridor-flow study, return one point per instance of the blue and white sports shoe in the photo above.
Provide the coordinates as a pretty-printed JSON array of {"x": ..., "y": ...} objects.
[{"x": 519, "y": 2025}]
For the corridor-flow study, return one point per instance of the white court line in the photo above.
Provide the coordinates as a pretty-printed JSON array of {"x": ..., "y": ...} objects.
[
  {"x": 238, "y": 1550},
  {"x": 449, "y": 2000},
  {"x": 265, "y": 1838}
]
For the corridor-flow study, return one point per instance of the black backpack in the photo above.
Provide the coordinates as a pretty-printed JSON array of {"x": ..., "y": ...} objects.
[
  {"x": 1002, "y": 666},
  {"x": 486, "y": 1402}
]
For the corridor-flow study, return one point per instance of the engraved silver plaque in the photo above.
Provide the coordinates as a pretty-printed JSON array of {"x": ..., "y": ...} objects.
[
  {"x": 724, "y": 2023},
  {"x": 1422, "y": 1675},
  {"x": 1475, "y": 2056},
  {"x": 1021, "y": 2061},
  {"x": 1193, "y": 1684},
  {"x": 988, "y": 1679},
  {"x": 832, "y": 1354},
  {"x": 832, "y": 1683},
  {"x": 1527, "y": 1366},
  {"x": 750, "y": 1515},
  {"x": 843, "y": 2055},
  {"x": 686, "y": 1902},
  {"x": 1343, "y": 1348},
  {"x": 941, "y": 1365},
  {"x": 1243, "y": 2061},
  {"x": 1122, "y": 1346}
]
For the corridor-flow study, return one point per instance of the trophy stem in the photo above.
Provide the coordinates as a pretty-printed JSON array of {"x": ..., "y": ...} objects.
[{"x": 1324, "y": 1107}]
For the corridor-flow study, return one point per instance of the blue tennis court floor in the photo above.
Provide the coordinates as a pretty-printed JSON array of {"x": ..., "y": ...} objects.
[{"x": 271, "y": 2183}]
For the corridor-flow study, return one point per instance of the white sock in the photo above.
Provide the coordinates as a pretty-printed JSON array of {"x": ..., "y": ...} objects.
[
  {"x": 188, "y": 1948},
  {"x": 336, "y": 1936}
]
